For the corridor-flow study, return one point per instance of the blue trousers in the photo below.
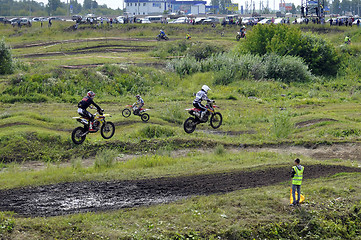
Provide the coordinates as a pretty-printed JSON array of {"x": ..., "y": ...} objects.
[{"x": 294, "y": 189}]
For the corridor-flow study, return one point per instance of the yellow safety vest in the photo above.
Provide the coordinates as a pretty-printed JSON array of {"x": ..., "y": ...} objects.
[{"x": 297, "y": 178}]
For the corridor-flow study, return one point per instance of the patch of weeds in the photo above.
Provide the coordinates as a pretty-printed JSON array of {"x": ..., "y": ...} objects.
[
  {"x": 155, "y": 132},
  {"x": 173, "y": 113},
  {"x": 105, "y": 158},
  {"x": 219, "y": 150},
  {"x": 76, "y": 163},
  {"x": 165, "y": 150},
  {"x": 282, "y": 125},
  {"x": 6, "y": 224},
  {"x": 342, "y": 133}
]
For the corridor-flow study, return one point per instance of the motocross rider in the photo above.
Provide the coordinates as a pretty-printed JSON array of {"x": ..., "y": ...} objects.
[
  {"x": 243, "y": 31},
  {"x": 138, "y": 105},
  {"x": 200, "y": 96},
  {"x": 84, "y": 104},
  {"x": 162, "y": 33}
]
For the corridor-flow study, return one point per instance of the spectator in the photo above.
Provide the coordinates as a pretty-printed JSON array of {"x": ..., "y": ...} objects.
[
  {"x": 297, "y": 176},
  {"x": 331, "y": 20},
  {"x": 49, "y": 24}
]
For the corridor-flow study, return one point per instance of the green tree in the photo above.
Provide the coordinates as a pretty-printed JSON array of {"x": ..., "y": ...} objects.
[
  {"x": 336, "y": 7},
  {"x": 53, "y": 5},
  {"x": 6, "y": 59}
]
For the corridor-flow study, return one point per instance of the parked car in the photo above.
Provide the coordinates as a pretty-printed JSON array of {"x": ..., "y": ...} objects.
[
  {"x": 265, "y": 21},
  {"x": 211, "y": 20},
  {"x": 355, "y": 22},
  {"x": 180, "y": 20},
  {"x": 4, "y": 20},
  {"x": 143, "y": 20},
  {"x": 199, "y": 20},
  {"x": 57, "y": 19},
  {"x": 279, "y": 21},
  {"x": 76, "y": 17},
  {"x": 248, "y": 21}
]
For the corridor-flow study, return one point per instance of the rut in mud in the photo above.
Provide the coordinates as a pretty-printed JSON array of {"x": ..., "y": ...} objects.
[{"x": 76, "y": 197}]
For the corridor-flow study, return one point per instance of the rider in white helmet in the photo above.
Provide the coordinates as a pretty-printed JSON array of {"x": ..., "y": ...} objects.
[
  {"x": 138, "y": 105},
  {"x": 200, "y": 96}
]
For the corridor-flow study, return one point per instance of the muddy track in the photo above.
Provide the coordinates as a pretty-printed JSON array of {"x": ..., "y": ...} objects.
[
  {"x": 77, "y": 197},
  {"x": 134, "y": 49},
  {"x": 43, "y": 44},
  {"x": 313, "y": 122},
  {"x": 81, "y": 66}
]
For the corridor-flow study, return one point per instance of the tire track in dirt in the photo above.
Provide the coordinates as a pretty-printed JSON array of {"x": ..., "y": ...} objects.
[
  {"x": 78, "y": 197},
  {"x": 42, "y": 44}
]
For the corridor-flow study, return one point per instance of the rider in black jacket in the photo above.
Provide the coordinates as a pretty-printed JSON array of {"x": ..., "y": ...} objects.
[{"x": 84, "y": 104}]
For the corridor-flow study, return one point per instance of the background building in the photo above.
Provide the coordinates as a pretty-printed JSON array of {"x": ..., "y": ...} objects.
[{"x": 149, "y": 7}]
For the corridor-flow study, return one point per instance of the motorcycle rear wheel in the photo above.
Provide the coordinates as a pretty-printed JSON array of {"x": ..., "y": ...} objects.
[
  {"x": 190, "y": 125},
  {"x": 107, "y": 130},
  {"x": 145, "y": 117},
  {"x": 126, "y": 112},
  {"x": 216, "y": 120},
  {"x": 77, "y": 135}
]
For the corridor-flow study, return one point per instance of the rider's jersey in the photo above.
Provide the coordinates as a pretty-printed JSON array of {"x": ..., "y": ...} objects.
[
  {"x": 86, "y": 102},
  {"x": 200, "y": 96},
  {"x": 140, "y": 101},
  {"x": 162, "y": 33}
]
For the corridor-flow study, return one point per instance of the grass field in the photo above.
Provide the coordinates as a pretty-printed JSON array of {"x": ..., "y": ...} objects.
[{"x": 267, "y": 123}]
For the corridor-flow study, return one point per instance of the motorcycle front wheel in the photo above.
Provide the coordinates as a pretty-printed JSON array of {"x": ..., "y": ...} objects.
[
  {"x": 216, "y": 120},
  {"x": 145, "y": 117},
  {"x": 126, "y": 112},
  {"x": 78, "y": 135},
  {"x": 158, "y": 38},
  {"x": 190, "y": 125},
  {"x": 238, "y": 37},
  {"x": 107, "y": 130}
]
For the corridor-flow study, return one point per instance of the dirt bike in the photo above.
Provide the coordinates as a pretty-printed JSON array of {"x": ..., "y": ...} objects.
[
  {"x": 128, "y": 111},
  {"x": 215, "y": 118},
  {"x": 160, "y": 37},
  {"x": 106, "y": 128},
  {"x": 240, "y": 35}
]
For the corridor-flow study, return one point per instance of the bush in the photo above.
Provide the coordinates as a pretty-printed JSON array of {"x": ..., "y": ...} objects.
[
  {"x": 229, "y": 67},
  {"x": 318, "y": 54},
  {"x": 6, "y": 59}
]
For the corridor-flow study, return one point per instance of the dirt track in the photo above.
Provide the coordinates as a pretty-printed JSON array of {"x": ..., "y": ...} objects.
[{"x": 68, "y": 198}]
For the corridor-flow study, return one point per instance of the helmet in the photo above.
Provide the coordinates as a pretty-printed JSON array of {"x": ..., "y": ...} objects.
[
  {"x": 205, "y": 88},
  {"x": 244, "y": 26},
  {"x": 137, "y": 96},
  {"x": 161, "y": 30},
  {"x": 91, "y": 94}
]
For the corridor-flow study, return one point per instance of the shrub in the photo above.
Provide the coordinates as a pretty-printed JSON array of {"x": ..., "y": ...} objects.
[
  {"x": 229, "y": 67},
  {"x": 6, "y": 59},
  {"x": 318, "y": 54},
  {"x": 286, "y": 69},
  {"x": 203, "y": 50}
]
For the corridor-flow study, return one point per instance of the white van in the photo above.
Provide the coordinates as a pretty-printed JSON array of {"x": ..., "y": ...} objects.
[{"x": 154, "y": 19}]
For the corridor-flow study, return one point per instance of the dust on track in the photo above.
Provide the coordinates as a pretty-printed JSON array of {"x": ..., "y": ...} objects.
[{"x": 79, "y": 197}]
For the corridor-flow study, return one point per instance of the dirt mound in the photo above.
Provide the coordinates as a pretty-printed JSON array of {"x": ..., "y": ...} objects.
[
  {"x": 68, "y": 198},
  {"x": 313, "y": 121}
]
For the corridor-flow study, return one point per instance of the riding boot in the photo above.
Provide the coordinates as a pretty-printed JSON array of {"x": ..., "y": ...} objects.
[
  {"x": 91, "y": 126},
  {"x": 202, "y": 115}
]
